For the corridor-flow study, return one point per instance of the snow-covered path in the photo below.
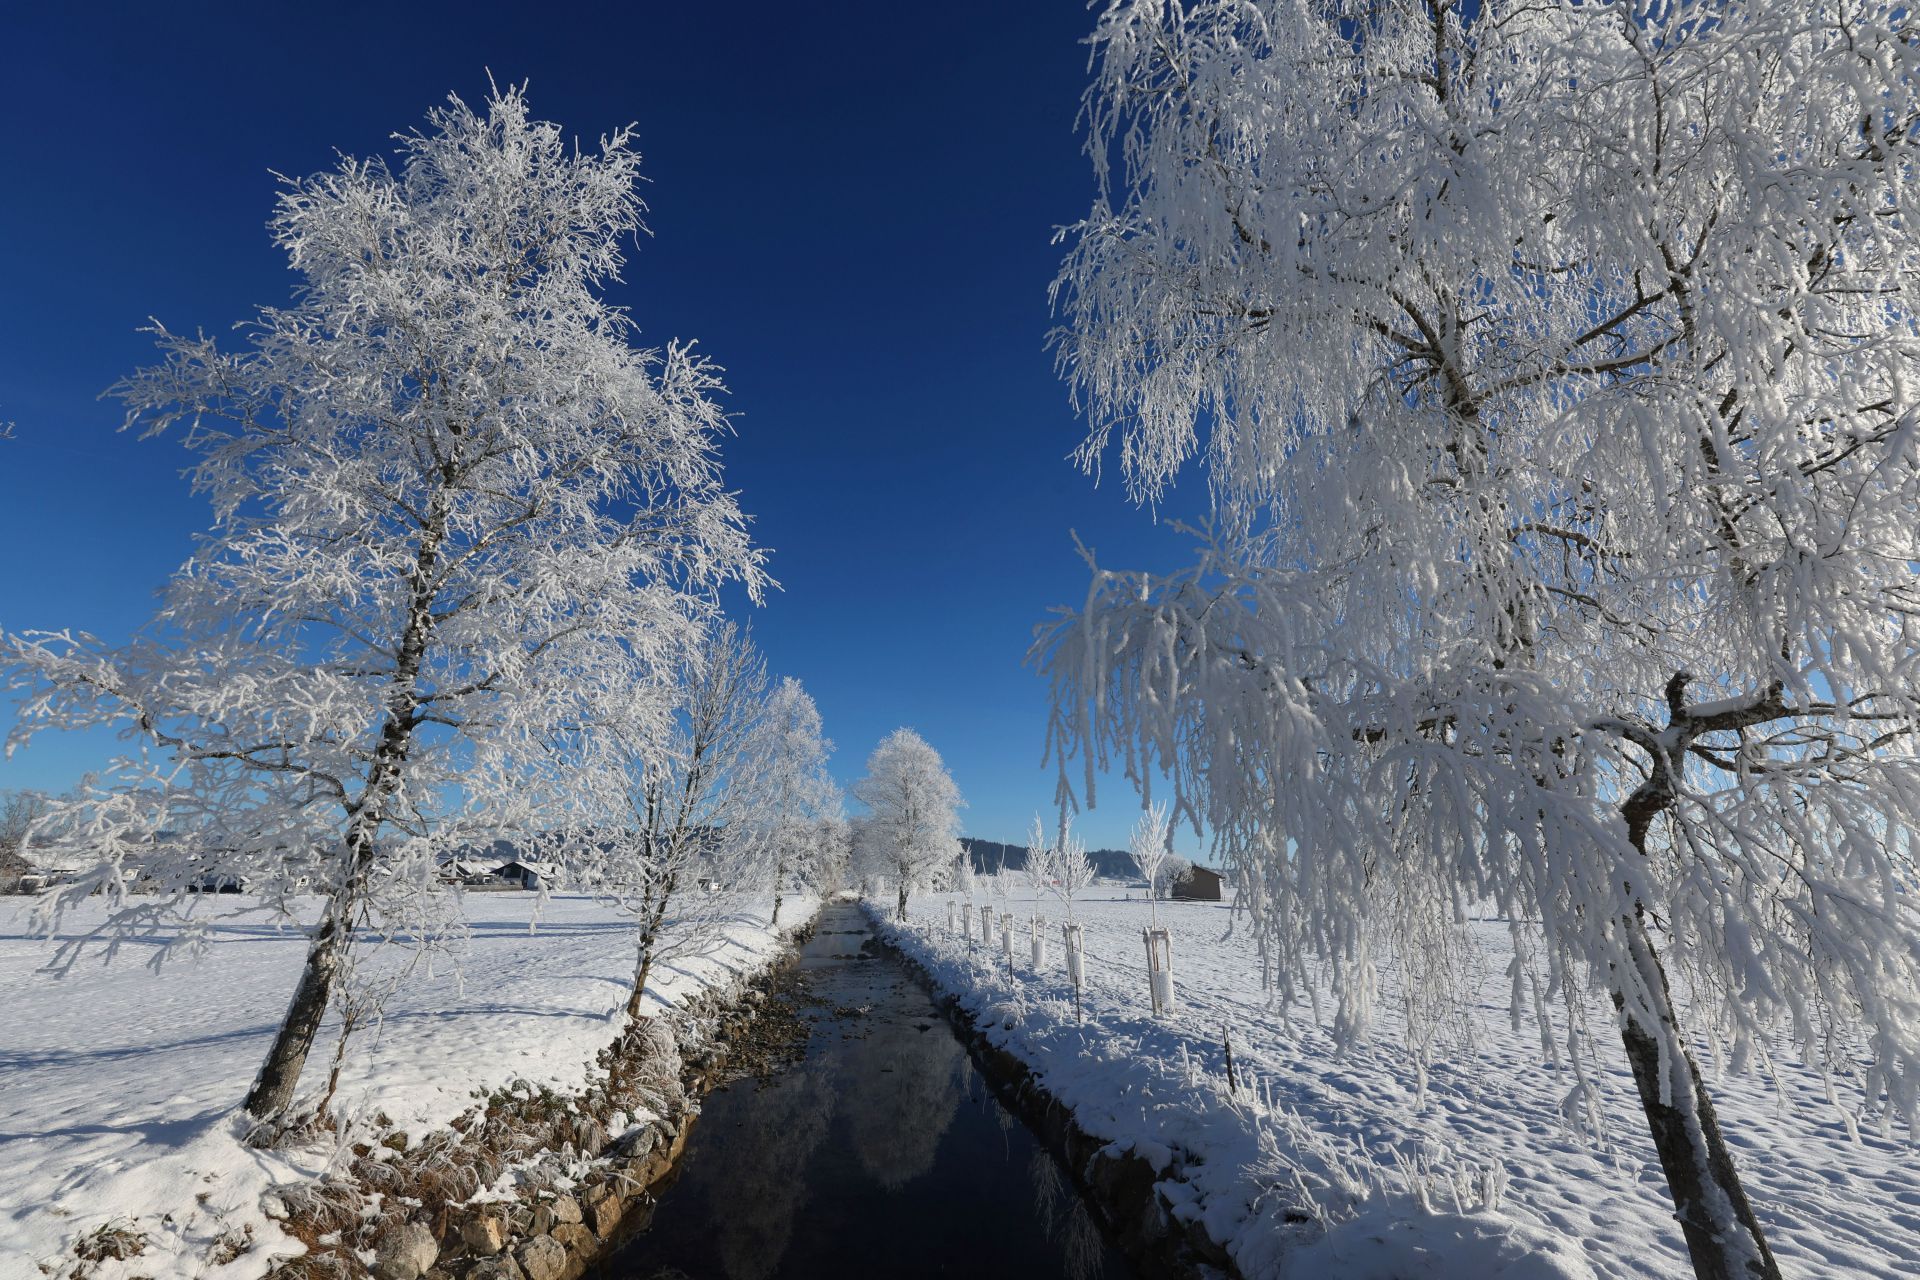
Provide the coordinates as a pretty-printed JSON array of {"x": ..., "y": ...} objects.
[
  {"x": 1835, "y": 1208},
  {"x": 118, "y": 1083}
]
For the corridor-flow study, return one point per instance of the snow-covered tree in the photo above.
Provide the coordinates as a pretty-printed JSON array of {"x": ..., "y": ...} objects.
[
  {"x": 1041, "y": 860},
  {"x": 1552, "y": 366},
  {"x": 1151, "y": 847},
  {"x": 459, "y": 520},
  {"x": 1000, "y": 882},
  {"x": 797, "y": 792},
  {"x": 829, "y": 851},
  {"x": 694, "y": 826},
  {"x": 1176, "y": 871},
  {"x": 1072, "y": 870},
  {"x": 961, "y": 878},
  {"x": 911, "y": 827},
  {"x": 20, "y": 813}
]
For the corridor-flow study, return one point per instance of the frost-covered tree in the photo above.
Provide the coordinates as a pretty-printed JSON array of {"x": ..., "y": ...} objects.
[
  {"x": 695, "y": 828},
  {"x": 961, "y": 878},
  {"x": 1042, "y": 858},
  {"x": 20, "y": 813},
  {"x": 1177, "y": 871},
  {"x": 1000, "y": 882},
  {"x": 1552, "y": 366},
  {"x": 912, "y": 823},
  {"x": 460, "y": 520},
  {"x": 797, "y": 792},
  {"x": 1073, "y": 871},
  {"x": 1151, "y": 846},
  {"x": 829, "y": 853}
]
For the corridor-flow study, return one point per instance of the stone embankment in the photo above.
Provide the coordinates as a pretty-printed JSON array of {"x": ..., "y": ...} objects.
[
  {"x": 1134, "y": 1195},
  {"x": 533, "y": 1185}
]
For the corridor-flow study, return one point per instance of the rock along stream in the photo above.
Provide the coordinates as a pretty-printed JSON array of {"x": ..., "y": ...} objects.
[{"x": 878, "y": 1152}]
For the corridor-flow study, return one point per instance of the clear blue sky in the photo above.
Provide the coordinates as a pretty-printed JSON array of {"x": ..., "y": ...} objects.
[{"x": 852, "y": 211}]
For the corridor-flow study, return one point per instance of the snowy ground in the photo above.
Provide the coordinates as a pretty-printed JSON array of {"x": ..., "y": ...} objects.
[
  {"x": 1833, "y": 1207},
  {"x": 119, "y": 1084}
]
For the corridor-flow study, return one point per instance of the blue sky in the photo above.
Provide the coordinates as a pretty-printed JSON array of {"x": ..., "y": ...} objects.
[{"x": 853, "y": 205}]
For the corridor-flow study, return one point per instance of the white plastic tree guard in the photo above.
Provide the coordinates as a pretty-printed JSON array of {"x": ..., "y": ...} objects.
[
  {"x": 1006, "y": 936},
  {"x": 950, "y": 917},
  {"x": 1039, "y": 927},
  {"x": 1159, "y": 969},
  {"x": 1076, "y": 950},
  {"x": 986, "y": 923}
]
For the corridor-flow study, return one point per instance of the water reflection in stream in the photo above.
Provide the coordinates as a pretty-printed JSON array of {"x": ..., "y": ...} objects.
[{"x": 882, "y": 1153}]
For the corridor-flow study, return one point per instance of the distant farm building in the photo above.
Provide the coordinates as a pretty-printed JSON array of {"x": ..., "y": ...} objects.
[
  {"x": 530, "y": 875},
  {"x": 471, "y": 871},
  {"x": 1198, "y": 885}
]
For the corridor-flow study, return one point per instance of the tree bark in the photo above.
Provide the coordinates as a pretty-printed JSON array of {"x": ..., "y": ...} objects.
[
  {"x": 1723, "y": 1236},
  {"x": 903, "y": 900},
  {"x": 637, "y": 997},
  {"x": 651, "y": 922},
  {"x": 643, "y": 966},
  {"x": 273, "y": 1088}
]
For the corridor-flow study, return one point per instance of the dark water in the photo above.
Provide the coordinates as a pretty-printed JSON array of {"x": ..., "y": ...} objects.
[{"x": 882, "y": 1153}]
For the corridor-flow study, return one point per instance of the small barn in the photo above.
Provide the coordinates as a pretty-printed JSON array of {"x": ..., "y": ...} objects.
[
  {"x": 478, "y": 871},
  {"x": 1201, "y": 884},
  {"x": 530, "y": 875}
]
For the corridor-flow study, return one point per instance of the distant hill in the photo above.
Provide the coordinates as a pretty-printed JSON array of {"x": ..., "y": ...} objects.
[{"x": 991, "y": 855}]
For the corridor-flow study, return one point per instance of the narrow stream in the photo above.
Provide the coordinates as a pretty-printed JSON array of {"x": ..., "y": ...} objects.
[{"x": 880, "y": 1153}]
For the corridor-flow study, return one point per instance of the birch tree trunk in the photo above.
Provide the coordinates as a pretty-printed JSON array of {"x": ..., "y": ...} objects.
[
  {"x": 279, "y": 1075},
  {"x": 643, "y": 967},
  {"x": 273, "y": 1088},
  {"x": 1723, "y": 1235}
]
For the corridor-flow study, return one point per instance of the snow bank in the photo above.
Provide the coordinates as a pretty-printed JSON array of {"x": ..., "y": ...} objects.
[
  {"x": 1387, "y": 1243},
  {"x": 121, "y": 1083},
  {"x": 1479, "y": 1176}
]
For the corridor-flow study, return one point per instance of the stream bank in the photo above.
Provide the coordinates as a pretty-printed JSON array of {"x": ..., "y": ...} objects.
[
  {"x": 879, "y": 1150},
  {"x": 532, "y": 1184},
  {"x": 1134, "y": 1193}
]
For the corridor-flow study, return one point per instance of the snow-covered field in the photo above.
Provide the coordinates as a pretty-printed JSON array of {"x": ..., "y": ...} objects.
[
  {"x": 119, "y": 1085},
  {"x": 1834, "y": 1207}
]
